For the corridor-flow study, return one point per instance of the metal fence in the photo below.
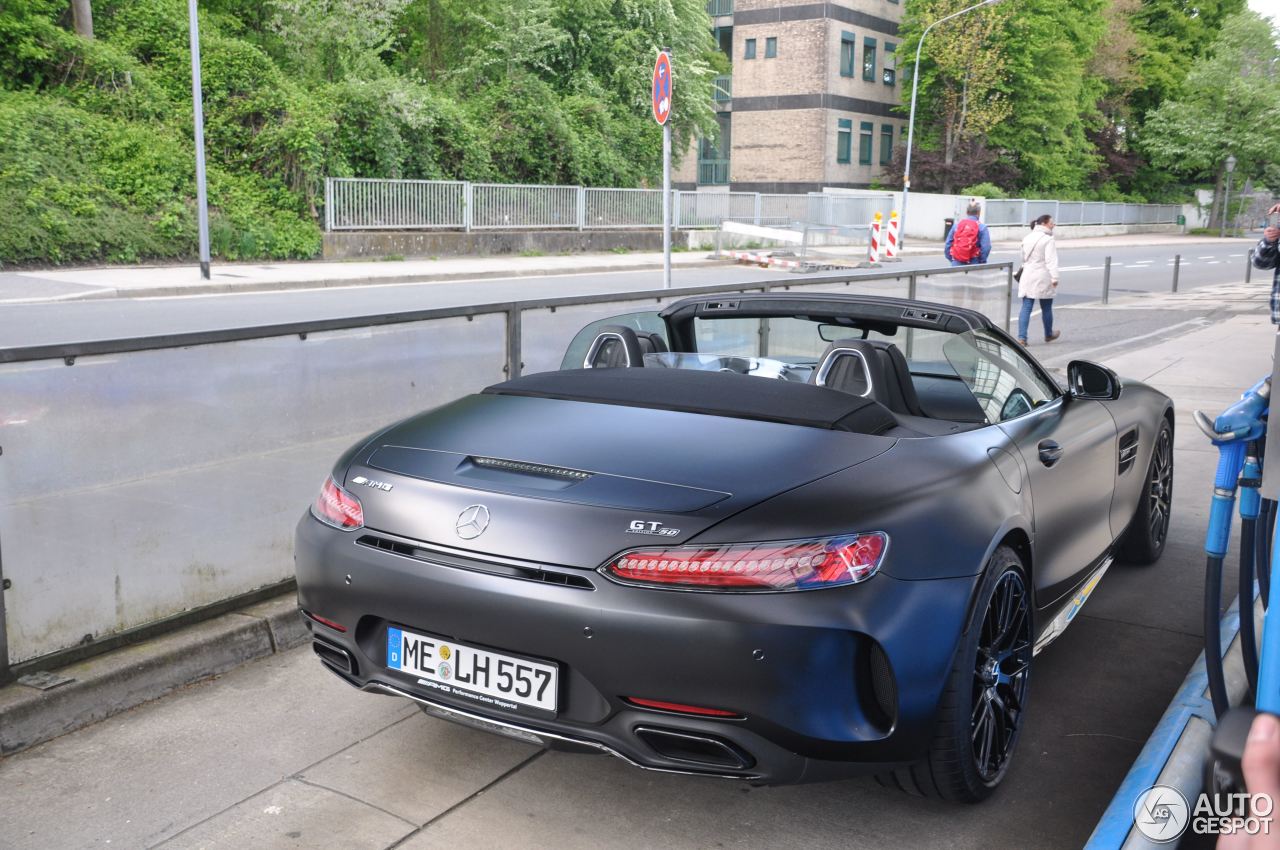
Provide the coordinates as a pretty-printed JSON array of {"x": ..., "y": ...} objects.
[
  {"x": 222, "y": 468},
  {"x": 368, "y": 204},
  {"x": 353, "y": 203},
  {"x": 1023, "y": 210}
]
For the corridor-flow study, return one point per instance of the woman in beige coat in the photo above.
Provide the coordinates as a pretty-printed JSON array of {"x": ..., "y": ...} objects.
[{"x": 1039, "y": 281}]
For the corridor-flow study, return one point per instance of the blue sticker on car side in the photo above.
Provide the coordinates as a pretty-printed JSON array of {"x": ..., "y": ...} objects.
[{"x": 395, "y": 641}]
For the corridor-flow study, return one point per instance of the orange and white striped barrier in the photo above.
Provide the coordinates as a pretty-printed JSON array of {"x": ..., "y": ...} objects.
[
  {"x": 750, "y": 257},
  {"x": 873, "y": 250},
  {"x": 891, "y": 239}
]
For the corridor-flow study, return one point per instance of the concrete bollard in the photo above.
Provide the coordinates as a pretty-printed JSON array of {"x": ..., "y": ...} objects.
[
  {"x": 1248, "y": 267},
  {"x": 1106, "y": 279},
  {"x": 1177, "y": 266}
]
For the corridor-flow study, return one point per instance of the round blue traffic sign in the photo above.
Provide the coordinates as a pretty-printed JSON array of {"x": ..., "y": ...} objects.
[{"x": 662, "y": 88}]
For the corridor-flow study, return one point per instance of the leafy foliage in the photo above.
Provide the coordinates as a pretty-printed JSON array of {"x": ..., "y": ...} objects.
[
  {"x": 1230, "y": 106},
  {"x": 1077, "y": 84},
  {"x": 96, "y": 152}
]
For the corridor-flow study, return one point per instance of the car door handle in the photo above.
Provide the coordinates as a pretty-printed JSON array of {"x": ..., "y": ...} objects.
[{"x": 1050, "y": 452}]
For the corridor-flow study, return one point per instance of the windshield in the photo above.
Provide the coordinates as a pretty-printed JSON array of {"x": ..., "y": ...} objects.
[{"x": 1004, "y": 381}]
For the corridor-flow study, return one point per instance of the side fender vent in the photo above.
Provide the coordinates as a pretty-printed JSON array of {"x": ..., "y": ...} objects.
[{"x": 1128, "y": 451}]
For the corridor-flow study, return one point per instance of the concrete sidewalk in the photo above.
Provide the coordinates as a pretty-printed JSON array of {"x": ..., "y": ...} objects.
[{"x": 169, "y": 280}]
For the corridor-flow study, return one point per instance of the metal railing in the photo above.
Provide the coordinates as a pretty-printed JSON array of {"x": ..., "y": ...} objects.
[
  {"x": 357, "y": 203},
  {"x": 501, "y": 206},
  {"x": 722, "y": 91},
  {"x": 713, "y": 172},
  {"x": 366, "y": 204},
  {"x": 353, "y": 203},
  {"x": 262, "y": 412},
  {"x": 1020, "y": 211}
]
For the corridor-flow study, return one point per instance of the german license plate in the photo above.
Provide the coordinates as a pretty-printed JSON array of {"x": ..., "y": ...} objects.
[{"x": 493, "y": 678}]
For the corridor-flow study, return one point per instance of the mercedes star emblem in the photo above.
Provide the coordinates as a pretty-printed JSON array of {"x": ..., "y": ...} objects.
[{"x": 472, "y": 522}]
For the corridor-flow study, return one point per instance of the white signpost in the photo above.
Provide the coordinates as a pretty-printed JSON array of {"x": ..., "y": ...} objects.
[{"x": 661, "y": 112}]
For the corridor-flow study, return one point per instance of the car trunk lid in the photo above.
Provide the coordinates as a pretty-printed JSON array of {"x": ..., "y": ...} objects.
[{"x": 572, "y": 483}]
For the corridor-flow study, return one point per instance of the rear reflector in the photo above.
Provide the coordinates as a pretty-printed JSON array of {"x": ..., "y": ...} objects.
[
  {"x": 680, "y": 707},
  {"x": 338, "y": 508},
  {"x": 787, "y": 565},
  {"x": 324, "y": 621}
]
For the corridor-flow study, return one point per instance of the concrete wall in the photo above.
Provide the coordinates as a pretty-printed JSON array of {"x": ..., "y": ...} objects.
[{"x": 375, "y": 244}]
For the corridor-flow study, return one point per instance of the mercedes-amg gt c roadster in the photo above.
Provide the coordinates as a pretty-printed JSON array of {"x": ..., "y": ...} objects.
[{"x": 774, "y": 537}]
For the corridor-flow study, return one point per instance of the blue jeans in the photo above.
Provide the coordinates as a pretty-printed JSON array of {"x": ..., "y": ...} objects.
[{"x": 1046, "y": 312}]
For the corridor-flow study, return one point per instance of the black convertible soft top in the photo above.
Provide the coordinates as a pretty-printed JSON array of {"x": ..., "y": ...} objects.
[{"x": 711, "y": 393}]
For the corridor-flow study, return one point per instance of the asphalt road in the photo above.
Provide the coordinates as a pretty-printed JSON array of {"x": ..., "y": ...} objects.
[
  {"x": 279, "y": 754},
  {"x": 1134, "y": 270}
]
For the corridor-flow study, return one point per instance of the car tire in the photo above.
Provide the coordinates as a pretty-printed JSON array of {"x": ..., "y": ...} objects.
[
  {"x": 980, "y": 701},
  {"x": 1144, "y": 540}
]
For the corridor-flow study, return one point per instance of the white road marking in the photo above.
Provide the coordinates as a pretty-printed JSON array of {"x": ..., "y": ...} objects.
[{"x": 1210, "y": 257}]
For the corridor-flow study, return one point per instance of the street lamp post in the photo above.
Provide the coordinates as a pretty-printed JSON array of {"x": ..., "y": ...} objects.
[
  {"x": 911, "y": 121},
  {"x": 202, "y": 198},
  {"x": 1226, "y": 199}
]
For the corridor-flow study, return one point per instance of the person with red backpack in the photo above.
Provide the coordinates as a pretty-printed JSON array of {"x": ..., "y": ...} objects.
[{"x": 969, "y": 241}]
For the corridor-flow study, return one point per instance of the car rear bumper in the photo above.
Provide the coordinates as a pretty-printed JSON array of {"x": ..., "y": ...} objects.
[{"x": 824, "y": 683}]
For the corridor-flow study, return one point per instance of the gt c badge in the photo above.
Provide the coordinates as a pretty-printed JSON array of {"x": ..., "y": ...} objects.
[
  {"x": 377, "y": 485},
  {"x": 472, "y": 522},
  {"x": 639, "y": 526}
]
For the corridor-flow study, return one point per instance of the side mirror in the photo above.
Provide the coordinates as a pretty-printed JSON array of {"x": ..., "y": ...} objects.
[{"x": 1091, "y": 381}]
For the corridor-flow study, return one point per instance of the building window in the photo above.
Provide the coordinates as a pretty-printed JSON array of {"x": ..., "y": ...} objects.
[
  {"x": 770, "y": 48},
  {"x": 864, "y": 143},
  {"x": 844, "y": 140},
  {"x": 847, "y": 41},
  {"x": 886, "y": 144},
  {"x": 869, "y": 59},
  {"x": 890, "y": 75},
  {"x": 749, "y": 52}
]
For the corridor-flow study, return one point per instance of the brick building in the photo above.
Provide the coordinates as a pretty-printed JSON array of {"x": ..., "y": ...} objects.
[{"x": 810, "y": 100}]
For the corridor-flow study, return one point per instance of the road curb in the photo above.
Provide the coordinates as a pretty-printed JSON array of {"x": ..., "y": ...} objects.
[
  {"x": 120, "y": 680},
  {"x": 337, "y": 282}
]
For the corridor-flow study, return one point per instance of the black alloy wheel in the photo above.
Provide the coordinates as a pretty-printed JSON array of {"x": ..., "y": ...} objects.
[
  {"x": 1144, "y": 541},
  {"x": 1160, "y": 488},
  {"x": 1000, "y": 676},
  {"x": 981, "y": 711}
]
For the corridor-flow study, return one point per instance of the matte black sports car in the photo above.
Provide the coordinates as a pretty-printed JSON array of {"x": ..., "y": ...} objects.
[{"x": 776, "y": 537}]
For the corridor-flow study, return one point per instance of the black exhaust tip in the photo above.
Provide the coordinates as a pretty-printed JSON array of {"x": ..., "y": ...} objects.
[
  {"x": 335, "y": 656},
  {"x": 694, "y": 749}
]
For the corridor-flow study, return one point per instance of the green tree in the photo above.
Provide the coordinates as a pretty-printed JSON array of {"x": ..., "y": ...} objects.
[
  {"x": 1230, "y": 106},
  {"x": 963, "y": 83}
]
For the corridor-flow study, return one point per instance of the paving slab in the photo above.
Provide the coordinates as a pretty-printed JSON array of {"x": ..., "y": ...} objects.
[
  {"x": 295, "y": 815},
  {"x": 419, "y": 768},
  {"x": 142, "y": 776}
]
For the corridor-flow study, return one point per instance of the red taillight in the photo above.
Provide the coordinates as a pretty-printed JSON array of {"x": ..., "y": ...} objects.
[
  {"x": 789, "y": 565},
  {"x": 325, "y": 621},
  {"x": 335, "y": 506},
  {"x": 681, "y": 707}
]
